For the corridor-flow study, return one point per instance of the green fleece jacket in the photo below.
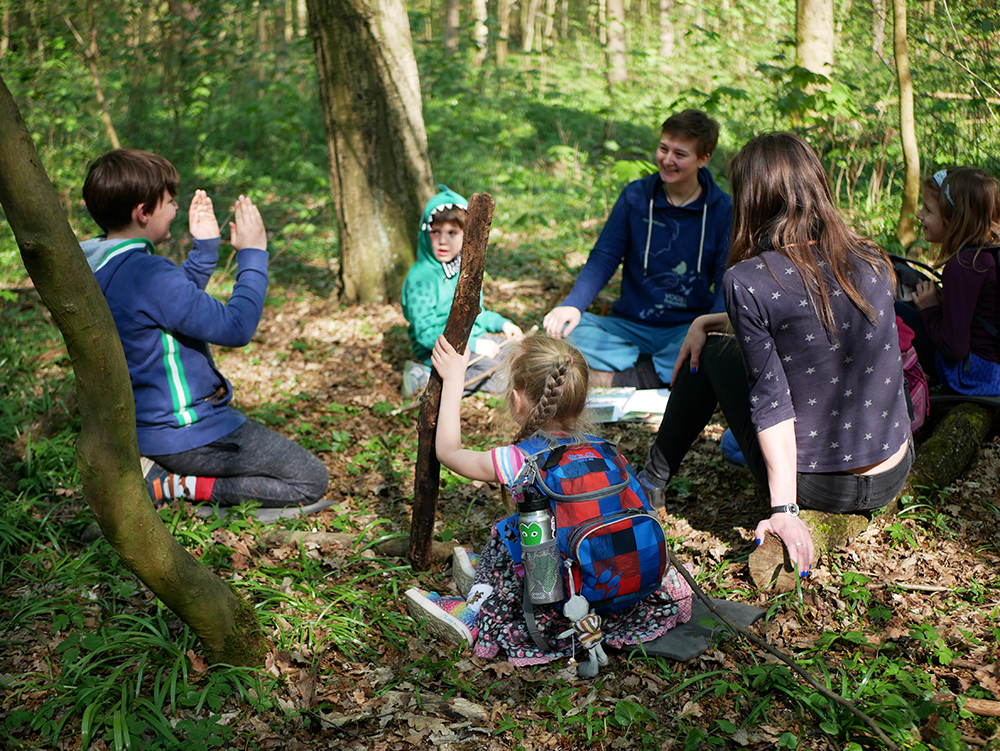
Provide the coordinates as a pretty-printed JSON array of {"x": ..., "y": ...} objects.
[{"x": 428, "y": 292}]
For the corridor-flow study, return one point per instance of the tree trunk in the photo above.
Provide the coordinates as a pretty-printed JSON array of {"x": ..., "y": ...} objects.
[
  {"x": 617, "y": 70},
  {"x": 90, "y": 54},
  {"x": 528, "y": 16},
  {"x": 504, "y": 9},
  {"x": 814, "y": 32},
  {"x": 878, "y": 29},
  {"x": 379, "y": 167},
  {"x": 480, "y": 32},
  {"x": 451, "y": 24},
  {"x": 464, "y": 309},
  {"x": 666, "y": 34},
  {"x": 905, "y": 230},
  {"x": 107, "y": 450}
]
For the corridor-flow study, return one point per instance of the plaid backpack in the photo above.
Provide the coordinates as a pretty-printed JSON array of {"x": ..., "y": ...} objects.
[{"x": 609, "y": 538}]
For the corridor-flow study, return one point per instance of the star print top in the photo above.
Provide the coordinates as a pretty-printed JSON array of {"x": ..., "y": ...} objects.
[{"x": 844, "y": 391}]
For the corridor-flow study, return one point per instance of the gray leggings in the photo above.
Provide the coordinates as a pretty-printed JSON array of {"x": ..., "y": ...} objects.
[{"x": 256, "y": 464}]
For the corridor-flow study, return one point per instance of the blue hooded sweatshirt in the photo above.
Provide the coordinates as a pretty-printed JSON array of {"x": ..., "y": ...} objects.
[
  {"x": 674, "y": 256},
  {"x": 166, "y": 321}
]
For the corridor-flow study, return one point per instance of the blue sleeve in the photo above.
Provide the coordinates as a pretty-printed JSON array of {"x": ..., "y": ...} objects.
[
  {"x": 723, "y": 230},
  {"x": 422, "y": 310},
  {"x": 490, "y": 321},
  {"x": 174, "y": 302},
  {"x": 605, "y": 258},
  {"x": 201, "y": 262}
]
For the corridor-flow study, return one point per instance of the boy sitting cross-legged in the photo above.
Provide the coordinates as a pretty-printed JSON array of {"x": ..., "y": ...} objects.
[{"x": 194, "y": 444}]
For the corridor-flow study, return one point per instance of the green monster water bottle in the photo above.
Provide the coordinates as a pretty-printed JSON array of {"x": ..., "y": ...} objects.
[{"x": 539, "y": 548}]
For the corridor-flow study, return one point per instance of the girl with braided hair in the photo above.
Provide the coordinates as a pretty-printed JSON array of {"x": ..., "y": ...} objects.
[{"x": 547, "y": 393}]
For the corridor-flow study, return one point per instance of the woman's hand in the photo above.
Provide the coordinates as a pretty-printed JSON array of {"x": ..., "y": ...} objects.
[
  {"x": 795, "y": 534},
  {"x": 694, "y": 341},
  {"x": 927, "y": 295},
  {"x": 512, "y": 331},
  {"x": 447, "y": 362}
]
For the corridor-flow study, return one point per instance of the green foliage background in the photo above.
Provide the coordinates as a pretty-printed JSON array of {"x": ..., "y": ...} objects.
[{"x": 230, "y": 97}]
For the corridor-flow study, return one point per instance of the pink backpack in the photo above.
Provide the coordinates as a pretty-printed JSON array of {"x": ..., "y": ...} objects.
[{"x": 916, "y": 381}]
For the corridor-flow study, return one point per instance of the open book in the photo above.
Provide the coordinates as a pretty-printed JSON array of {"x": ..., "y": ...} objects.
[{"x": 627, "y": 404}]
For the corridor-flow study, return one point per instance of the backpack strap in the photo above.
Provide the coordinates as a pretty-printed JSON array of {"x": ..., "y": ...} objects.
[{"x": 531, "y": 623}]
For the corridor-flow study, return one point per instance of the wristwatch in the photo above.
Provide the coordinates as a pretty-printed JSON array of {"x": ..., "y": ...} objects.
[{"x": 789, "y": 508}]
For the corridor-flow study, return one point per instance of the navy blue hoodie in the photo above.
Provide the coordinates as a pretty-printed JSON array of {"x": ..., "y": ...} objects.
[
  {"x": 166, "y": 321},
  {"x": 674, "y": 255}
]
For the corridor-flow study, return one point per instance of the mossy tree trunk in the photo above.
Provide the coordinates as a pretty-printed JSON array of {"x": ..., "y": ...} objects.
[
  {"x": 380, "y": 171},
  {"x": 107, "y": 450}
]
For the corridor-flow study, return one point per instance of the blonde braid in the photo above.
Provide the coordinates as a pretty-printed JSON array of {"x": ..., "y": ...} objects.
[{"x": 548, "y": 404}]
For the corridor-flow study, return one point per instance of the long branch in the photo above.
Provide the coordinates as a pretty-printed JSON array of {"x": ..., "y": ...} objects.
[{"x": 801, "y": 671}]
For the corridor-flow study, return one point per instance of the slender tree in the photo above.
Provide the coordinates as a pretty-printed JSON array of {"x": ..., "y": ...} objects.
[
  {"x": 379, "y": 167},
  {"x": 815, "y": 35},
  {"x": 480, "y": 32},
  {"x": 615, "y": 50},
  {"x": 107, "y": 451},
  {"x": 905, "y": 230}
]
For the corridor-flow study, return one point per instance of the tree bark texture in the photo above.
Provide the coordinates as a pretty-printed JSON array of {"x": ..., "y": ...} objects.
[
  {"x": 952, "y": 447},
  {"x": 380, "y": 172},
  {"x": 667, "y": 33},
  {"x": 480, "y": 32},
  {"x": 504, "y": 9},
  {"x": 815, "y": 35},
  {"x": 905, "y": 229},
  {"x": 529, "y": 15},
  {"x": 617, "y": 69},
  {"x": 464, "y": 309},
  {"x": 107, "y": 450},
  {"x": 452, "y": 19}
]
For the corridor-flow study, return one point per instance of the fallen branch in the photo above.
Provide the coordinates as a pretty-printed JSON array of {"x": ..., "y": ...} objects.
[
  {"x": 397, "y": 547},
  {"x": 798, "y": 669},
  {"x": 981, "y": 707}
]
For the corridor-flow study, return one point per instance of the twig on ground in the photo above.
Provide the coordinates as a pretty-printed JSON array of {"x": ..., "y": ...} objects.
[
  {"x": 981, "y": 707},
  {"x": 798, "y": 669}
]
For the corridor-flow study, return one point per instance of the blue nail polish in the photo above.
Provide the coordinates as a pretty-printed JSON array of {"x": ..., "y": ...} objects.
[
  {"x": 693, "y": 370},
  {"x": 804, "y": 574},
  {"x": 758, "y": 542}
]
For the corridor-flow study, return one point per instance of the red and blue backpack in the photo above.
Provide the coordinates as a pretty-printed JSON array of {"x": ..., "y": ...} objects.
[{"x": 612, "y": 545}]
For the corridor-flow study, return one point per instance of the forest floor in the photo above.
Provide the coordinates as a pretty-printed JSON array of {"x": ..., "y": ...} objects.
[{"x": 908, "y": 610}]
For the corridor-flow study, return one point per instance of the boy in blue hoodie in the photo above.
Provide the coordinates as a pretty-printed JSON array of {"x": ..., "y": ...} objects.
[
  {"x": 194, "y": 444},
  {"x": 430, "y": 288},
  {"x": 670, "y": 232}
]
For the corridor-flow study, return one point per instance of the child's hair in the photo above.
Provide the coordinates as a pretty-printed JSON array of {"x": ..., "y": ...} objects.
[
  {"x": 970, "y": 206},
  {"x": 453, "y": 214},
  {"x": 552, "y": 375},
  {"x": 121, "y": 180},
  {"x": 697, "y": 126}
]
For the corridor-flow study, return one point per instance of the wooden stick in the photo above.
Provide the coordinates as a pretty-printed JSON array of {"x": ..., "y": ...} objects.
[
  {"x": 801, "y": 671},
  {"x": 981, "y": 707},
  {"x": 464, "y": 309}
]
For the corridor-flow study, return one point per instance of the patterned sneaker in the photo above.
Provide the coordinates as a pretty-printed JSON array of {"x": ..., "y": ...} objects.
[
  {"x": 655, "y": 488},
  {"x": 154, "y": 475},
  {"x": 448, "y": 618},
  {"x": 463, "y": 569}
]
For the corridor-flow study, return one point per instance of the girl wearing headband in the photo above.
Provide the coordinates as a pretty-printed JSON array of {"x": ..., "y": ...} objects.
[{"x": 956, "y": 331}]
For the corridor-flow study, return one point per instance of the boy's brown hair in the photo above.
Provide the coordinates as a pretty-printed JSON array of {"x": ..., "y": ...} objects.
[
  {"x": 121, "y": 180},
  {"x": 454, "y": 214},
  {"x": 694, "y": 125}
]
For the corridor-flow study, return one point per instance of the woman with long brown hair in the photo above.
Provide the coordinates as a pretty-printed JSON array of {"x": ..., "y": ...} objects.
[{"x": 818, "y": 409}]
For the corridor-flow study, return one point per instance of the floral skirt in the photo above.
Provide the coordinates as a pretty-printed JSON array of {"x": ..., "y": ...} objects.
[{"x": 502, "y": 626}]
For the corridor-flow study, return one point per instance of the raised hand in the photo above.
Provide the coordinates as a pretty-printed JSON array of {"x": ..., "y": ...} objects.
[
  {"x": 201, "y": 217},
  {"x": 247, "y": 231}
]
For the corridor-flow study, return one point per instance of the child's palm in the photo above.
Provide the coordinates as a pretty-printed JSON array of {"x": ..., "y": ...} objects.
[{"x": 201, "y": 217}]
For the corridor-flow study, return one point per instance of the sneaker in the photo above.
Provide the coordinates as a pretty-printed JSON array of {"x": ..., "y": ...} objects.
[
  {"x": 731, "y": 451},
  {"x": 448, "y": 618},
  {"x": 655, "y": 489},
  {"x": 463, "y": 569},
  {"x": 415, "y": 377},
  {"x": 154, "y": 474}
]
